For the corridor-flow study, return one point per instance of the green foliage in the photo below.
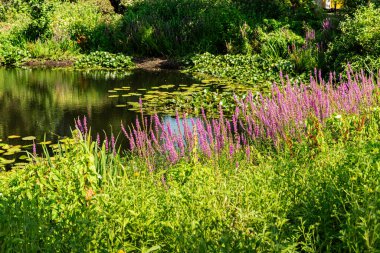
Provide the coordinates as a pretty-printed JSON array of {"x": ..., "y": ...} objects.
[
  {"x": 12, "y": 51},
  {"x": 40, "y": 12},
  {"x": 263, "y": 9},
  {"x": 85, "y": 25},
  {"x": 300, "y": 198},
  {"x": 107, "y": 60},
  {"x": 64, "y": 49},
  {"x": 246, "y": 69},
  {"x": 276, "y": 44},
  {"x": 14, "y": 56},
  {"x": 2, "y": 13},
  {"x": 180, "y": 27},
  {"x": 352, "y": 5},
  {"x": 360, "y": 37},
  {"x": 370, "y": 64}
]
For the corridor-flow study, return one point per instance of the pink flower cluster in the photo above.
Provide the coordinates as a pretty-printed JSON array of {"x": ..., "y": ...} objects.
[{"x": 256, "y": 118}]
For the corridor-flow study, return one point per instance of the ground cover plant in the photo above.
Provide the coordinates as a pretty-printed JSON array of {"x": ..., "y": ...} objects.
[
  {"x": 106, "y": 60},
  {"x": 296, "y": 171}
]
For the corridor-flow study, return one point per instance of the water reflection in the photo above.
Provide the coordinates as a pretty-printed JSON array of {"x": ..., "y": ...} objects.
[{"x": 41, "y": 102}]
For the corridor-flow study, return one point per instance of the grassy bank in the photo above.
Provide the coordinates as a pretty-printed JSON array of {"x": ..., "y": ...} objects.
[{"x": 286, "y": 173}]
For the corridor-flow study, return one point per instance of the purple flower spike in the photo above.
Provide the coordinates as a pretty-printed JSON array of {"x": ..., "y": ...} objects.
[
  {"x": 34, "y": 149},
  {"x": 113, "y": 144},
  {"x": 85, "y": 124},
  {"x": 98, "y": 140}
]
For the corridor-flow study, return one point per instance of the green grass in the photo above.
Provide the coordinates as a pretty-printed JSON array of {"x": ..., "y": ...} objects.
[{"x": 300, "y": 198}]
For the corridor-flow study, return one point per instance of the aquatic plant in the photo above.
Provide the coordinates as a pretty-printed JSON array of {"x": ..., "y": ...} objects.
[{"x": 100, "y": 59}]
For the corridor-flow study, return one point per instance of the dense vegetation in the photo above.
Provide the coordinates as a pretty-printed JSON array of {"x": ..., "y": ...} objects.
[
  {"x": 290, "y": 167},
  {"x": 252, "y": 182},
  {"x": 294, "y": 36}
]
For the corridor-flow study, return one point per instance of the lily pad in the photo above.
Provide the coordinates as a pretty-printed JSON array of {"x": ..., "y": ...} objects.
[
  {"x": 6, "y": 147},
  {"x": 67, "y": 141},
  {"x": 23, "y": 157},
  {"x": 8, "y": 153},
  {"x": 134, "y": 104},
  {"x": 4, "y": 161},
  {"x": 14, "y": 136},
  {"x": 28, "y": 138},
  {"x": 15, "y": 149},
  {"x": 45, "y": 143},
  {"x": 121, "y": 105},
  {"x": 167, "y": 86},
  {"x": 113, "y": 96}
]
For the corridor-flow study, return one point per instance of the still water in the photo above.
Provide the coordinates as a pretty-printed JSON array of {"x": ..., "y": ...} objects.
[{"x": 44, "y": 102}]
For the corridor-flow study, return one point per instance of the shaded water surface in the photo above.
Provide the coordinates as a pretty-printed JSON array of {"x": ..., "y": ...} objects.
[{"x": 44, "y": 102}]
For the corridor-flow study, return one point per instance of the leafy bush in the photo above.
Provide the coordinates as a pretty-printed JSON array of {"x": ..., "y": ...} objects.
[
  {"x": 14, "y": 56},
  {"x": 276, "y": 44},
  {"x": 293, "y": 9},
  {"x": 53, "y": 50},
  {"x": 40, "y": 12},
  {"x": 2, "y": 13},
  {"x": 370, "y": 64},
  {"x": 360, "y": 37},
  {"x": 85, "y": 25},
  {"x": 307, "y": 57},
  {"x": 247, "y": 69},
  {"x": 180, "y": 27},
  {"x": 12, "y": 50},
  {"x": 104, "y": 60}
]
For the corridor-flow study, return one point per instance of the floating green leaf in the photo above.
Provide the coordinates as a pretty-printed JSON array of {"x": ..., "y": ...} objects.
[
  {"x": 6, "y": 161},
  {"x": 45, "y": 143},
  {"x": 28, "y": 138},
  {"x": 14, "y": 136}
]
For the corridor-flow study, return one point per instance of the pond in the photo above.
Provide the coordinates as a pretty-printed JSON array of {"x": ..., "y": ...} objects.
[{"x": 44, "y": 102}]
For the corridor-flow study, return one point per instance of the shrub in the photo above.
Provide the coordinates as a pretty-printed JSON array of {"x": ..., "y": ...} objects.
[
  {"x": 40, "y": 12},
  {"x": 100, "y": 59},
  {"x": 180, "y": 27},
  {"x": 12, "y": 50},
  {"x": 360, "y": 37},
  {"x": 275, "y": 44}
]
